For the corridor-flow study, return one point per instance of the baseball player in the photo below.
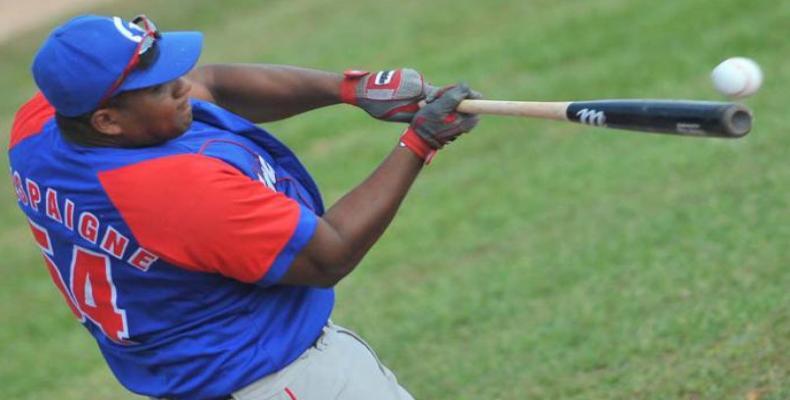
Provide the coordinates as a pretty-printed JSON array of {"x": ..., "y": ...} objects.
[{"x": 191, "y": 243}]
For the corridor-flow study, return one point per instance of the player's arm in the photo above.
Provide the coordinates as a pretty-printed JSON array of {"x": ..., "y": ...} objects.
[
  {"x": 352, "y": 225},
  {"x": 213, "y": 218},
  {"x": 263, "y": 93}
]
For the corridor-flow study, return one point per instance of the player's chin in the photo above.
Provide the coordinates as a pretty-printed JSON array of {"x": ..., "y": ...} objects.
[
  {"x": 187, "y": 120},
  {"x": 176, "y": 128},
  {"x": 184, "y": 121}
]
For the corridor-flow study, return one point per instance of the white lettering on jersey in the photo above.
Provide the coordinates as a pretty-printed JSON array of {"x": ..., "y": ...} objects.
[
  {"x": 267, "y": 175},
  {"x": 89, "y": 225}
]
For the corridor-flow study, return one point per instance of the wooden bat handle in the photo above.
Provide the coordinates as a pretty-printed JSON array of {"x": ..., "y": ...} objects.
[{"x": 537, "y": 109}]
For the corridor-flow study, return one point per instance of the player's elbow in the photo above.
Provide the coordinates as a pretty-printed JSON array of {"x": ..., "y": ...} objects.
[
  {"x": 333, "y": 268},
  {"x": 324, "y": 262},
  {"x": 325, "y": 271},
  {"x": 333, "y": 276}
]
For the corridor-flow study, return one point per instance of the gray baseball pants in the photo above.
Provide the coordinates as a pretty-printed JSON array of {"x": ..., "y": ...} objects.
[{"x": 341, "y": 366}]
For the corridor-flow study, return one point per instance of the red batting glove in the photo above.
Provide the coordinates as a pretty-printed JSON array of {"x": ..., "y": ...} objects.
[{"x": 390, "y": 95}]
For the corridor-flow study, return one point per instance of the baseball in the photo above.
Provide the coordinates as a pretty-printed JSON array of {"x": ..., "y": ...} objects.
[{"x": 737, "y": 77}]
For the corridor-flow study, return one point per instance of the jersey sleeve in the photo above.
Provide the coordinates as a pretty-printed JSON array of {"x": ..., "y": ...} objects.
[{"x": 202, "y": 214}]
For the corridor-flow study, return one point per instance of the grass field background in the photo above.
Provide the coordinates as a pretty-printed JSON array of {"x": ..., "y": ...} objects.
[{"x": 532, "y": 260}]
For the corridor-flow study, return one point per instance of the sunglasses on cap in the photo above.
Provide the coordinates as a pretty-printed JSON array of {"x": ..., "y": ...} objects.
[{"x": 144, "y": 55}]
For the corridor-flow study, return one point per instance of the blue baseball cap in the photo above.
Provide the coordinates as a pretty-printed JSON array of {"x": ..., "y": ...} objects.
[{"x": 87, "y": 60}]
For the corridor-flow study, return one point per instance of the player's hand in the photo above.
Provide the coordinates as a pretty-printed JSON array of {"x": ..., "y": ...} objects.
[
  {"x": 391, "y": 95},
  {"x": 438, "y": 122}
]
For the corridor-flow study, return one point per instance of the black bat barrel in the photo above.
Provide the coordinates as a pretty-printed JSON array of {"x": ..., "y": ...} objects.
[{"x": 677, "y": 117}]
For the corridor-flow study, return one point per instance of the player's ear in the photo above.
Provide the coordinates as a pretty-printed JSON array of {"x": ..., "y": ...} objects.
[{"x": 106, "y": 121}]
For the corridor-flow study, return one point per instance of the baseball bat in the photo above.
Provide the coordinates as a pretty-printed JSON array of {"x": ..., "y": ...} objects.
[{"x": 675, "y": 117}]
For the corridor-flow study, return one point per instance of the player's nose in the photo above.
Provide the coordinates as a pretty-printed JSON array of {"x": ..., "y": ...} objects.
[{"x": 182, "y": 88}]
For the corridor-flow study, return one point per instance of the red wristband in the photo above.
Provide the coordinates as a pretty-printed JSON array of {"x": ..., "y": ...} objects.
[
  {"x": 348, "y": 88},
  {"x": 412, "y": 141}
]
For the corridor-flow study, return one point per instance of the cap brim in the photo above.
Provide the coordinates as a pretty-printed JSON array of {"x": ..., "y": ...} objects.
[{"x": 178, "y": 54}]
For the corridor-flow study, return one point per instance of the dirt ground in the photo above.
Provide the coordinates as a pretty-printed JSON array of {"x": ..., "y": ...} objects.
[{"x": 21, "y": 15}]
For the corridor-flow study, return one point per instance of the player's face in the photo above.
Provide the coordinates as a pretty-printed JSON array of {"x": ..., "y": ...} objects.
[{"x": 156, "y": 114}]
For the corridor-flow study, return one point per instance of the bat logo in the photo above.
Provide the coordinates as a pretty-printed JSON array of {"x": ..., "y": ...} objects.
[
  {"x": 591, "y": 117},
  {"x": 689, "y": 128}
]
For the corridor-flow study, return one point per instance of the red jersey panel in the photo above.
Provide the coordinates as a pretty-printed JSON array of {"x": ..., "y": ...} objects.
[
  {"x": 235, "y": 227},
  {"x": 30, "y": 118}
]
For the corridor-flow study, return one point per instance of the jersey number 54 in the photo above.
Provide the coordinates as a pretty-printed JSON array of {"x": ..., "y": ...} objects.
[{"x": 91, "y": 293}]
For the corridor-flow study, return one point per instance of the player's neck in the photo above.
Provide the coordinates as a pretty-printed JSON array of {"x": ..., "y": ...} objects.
[{"x": 88, "y": 139}]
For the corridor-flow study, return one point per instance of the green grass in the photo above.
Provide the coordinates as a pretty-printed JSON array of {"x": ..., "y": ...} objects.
[{"x": 533, "y": 259}]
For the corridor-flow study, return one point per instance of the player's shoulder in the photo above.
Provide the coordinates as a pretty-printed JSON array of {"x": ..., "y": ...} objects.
[
  {"x": 30, "y": 119},
  {"x": 193, "y": 173},
  {"x": 193, "y": 166}
]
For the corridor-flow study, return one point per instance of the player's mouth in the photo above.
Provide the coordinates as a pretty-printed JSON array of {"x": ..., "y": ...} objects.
[
  {"x": 186, "y": 112},
  {"x": 185, "y": 108}
]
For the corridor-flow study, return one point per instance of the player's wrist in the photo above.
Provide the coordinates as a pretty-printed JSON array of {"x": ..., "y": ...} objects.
[
  {"x": 417, "y": 145},
  {"x": 348, "y": 86}
]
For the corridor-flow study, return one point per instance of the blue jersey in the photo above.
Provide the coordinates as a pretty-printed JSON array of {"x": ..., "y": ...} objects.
[{"x": 171, "y": 255}]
